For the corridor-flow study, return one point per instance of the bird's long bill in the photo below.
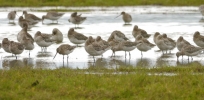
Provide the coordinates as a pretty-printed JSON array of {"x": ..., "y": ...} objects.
[
  {"x": 17, "y": 15},
  {"x": 55, "y": 55},
  {"x": 117, "y": 16}
]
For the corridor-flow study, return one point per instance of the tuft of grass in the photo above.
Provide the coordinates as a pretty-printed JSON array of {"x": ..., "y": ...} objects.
[
  {"x": 124, "y": 82},
  {"x": 77, "y": 3}
]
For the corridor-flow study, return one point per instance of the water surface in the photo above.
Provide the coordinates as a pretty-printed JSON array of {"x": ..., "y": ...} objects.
[{"x": 174, "y": 21}]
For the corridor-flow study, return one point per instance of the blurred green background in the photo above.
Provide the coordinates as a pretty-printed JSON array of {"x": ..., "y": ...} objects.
[{"x": 77, "y": 3}]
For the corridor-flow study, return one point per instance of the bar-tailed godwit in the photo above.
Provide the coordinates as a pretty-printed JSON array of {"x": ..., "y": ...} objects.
[
  {"x": 23, "y": 33},
  {"x": 28, "y": 43},
  {"x": 64, "y": 49},
  {"x": 118, "y": 36},
  {"x": 31, "y": 17},
  {"x": 43, "y": 40},
  {"x": 57, "y": 35},
  {"x": 92, "y": 48},
  {"x": 126, "y": 46},
  {"x": 172, "y": 44},
  {"x": 143, "y": 44},
  {"x": 76, "y": 19},
  {"x": 75, "y": 37},
  {"x": 22, "y": 22},
  {"x": 155, "y": 36},
  {"x": 189, "y": 50},
  {"x": 162, "y": 44},
  {"x": 181, "y": 42},
  {"x": 198, "y": 39},
  {"x": 201, "y": 9},
  {"x": 16, "y": 48},
  {"x": 137, "y": 31},
  {"x": 11, "y": 16},
  {"x": 52, "y": 15},
  {"x": 127, "y": 18},
  {"x": 5, "y": 45}
]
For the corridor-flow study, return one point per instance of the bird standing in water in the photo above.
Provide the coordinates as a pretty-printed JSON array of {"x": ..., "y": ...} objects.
[{"x": 127, "y": 18}]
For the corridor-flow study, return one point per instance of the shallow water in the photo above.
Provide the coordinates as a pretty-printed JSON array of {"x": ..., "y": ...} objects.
[{"x": 174, "y": 21}]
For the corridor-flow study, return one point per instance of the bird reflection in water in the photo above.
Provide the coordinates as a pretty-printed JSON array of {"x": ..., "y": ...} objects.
[
  {"x": 12, "y": 64},
  {"x": 145, "y": 62},
  {"x": 119, "y": 63},
  {"x": 99, "y": 63},
  {"x": 28, "y": 62},
  {"x": 187, "y": 63},
  {"x": 44, "y": 54},
  {"x": 44, "y": 64}
]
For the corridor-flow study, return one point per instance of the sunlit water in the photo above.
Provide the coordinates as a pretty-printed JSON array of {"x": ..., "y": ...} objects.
[{"x": 174, "y": 21}]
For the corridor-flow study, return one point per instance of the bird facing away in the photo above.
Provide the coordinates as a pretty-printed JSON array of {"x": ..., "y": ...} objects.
[
  {"x": 172, "y": 44},
  {"x": 5, "y": 45},
  {"x": 75, "y": 37},
  {"x": 16, "y": 48},
  {"x": 52, "y": 15},
  {"x": 93, "y": 48},
  {"x": 31, "y": 17},
  {"x": 201, "y": 9},
  {"x": 137, "y": 31},
  {"x": 76, "y": 19},
  {"x": 198, "y": 39},
  {"x": 162, "y": 44},
  {"x": 11, "y": 16},
  {"x": 127, "y": 18},
  {"x": 155, "y": 36},
  {"x": 181, "y": 42},
  {"x": 64, "y": 49},
  {"x": 57, "y": 35},
  {"x": 143, "y": 44},
  {"x": 28, "y": 43},
  {"x": 23, "y": 33},
  {"x": 102, "y": 42}
]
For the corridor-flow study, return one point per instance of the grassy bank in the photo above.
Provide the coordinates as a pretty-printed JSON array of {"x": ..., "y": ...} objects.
[
  {"x": 39, "y": 3},
  {"x": 101, "y": 84}
]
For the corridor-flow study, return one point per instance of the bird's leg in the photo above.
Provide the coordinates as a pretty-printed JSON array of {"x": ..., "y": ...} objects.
[
  {"x": 41, "y": 49},
  {"x": 129, "y": 55},
  {"x": 94, "y": 59},
  {"x": 113, "y": 54},
  {"x": 29, "y": 53},
  {"x": 141, "y": 54}
]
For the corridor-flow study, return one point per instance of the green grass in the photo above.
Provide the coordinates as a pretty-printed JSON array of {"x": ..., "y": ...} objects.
[
  {"x": 39, "y": 3},
  {"x": 95, "y": 83}
]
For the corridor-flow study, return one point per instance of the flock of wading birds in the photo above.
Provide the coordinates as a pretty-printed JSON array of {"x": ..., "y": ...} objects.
[{"x": 95, "y": 47}]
